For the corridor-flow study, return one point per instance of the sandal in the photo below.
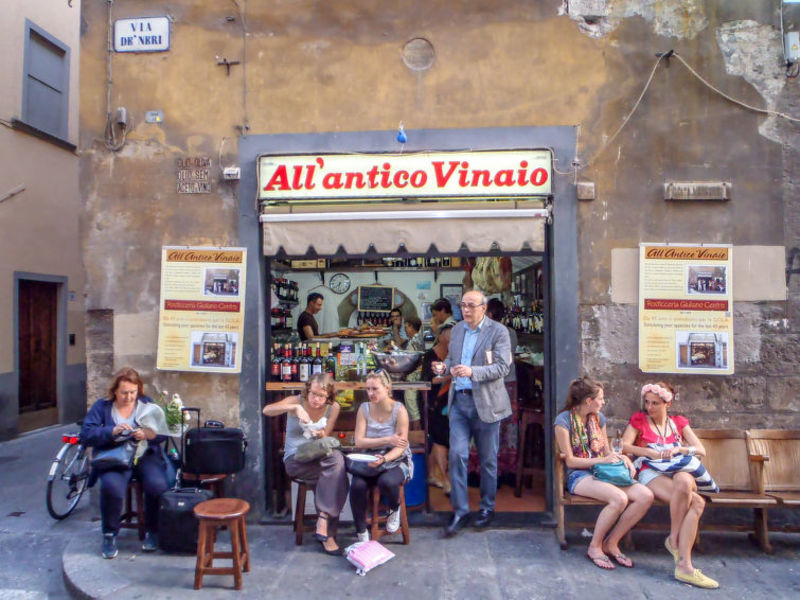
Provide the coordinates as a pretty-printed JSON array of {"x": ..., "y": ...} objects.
[
  {"x": 602, "y": 562},
  {"x": 319, "y": 536},
  {"x": 335, "y": 552},
  {"x": 623, "y": 561}
]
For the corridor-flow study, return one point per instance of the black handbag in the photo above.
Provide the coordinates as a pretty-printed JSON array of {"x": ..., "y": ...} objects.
[{"x": 117, "y": 457}]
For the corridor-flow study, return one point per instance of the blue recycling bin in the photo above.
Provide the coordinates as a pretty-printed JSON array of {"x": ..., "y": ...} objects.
[{"x": 416, "y": 488}]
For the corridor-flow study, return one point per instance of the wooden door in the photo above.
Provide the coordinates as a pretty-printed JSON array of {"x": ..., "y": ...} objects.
[{"x": 38, "y": 317}]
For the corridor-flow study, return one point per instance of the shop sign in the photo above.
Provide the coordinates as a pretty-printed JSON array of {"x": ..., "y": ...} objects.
[
  {"x": 193, "y": 175},
  {"x": 143, "y": 34},
  {"x": 201, "y": 321},
  {"x": 685, "y": 309},
  {"x": 423, "y": 174}
]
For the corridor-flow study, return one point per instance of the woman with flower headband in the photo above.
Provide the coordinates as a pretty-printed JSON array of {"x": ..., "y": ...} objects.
[
  {"x": 580, "y": 431},
  {"x": 652, "y": 434}
]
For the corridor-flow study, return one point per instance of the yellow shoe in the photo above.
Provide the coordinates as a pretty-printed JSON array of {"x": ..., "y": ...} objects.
[
  {"x": 696, "y": 578},
  {"x": 671, "y": 550}
]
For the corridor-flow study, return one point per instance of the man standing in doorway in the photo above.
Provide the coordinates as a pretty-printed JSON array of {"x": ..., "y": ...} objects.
[
  {"x": 441, "y": 316},
  {"x": 307, "y": 325},
  {"x": 479, "y": 357}
]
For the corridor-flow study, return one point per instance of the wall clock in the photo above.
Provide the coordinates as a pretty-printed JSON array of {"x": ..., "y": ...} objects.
[{"x": 339, "y": 283}]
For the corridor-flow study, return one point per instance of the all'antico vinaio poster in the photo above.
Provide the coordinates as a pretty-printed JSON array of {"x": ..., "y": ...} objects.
[
  {"x": 685, "y": 309},
  {"x": 201, "y": 321}
]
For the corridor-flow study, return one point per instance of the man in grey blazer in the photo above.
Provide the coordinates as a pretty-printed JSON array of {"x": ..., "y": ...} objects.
[{"x": 479, "y": 357}]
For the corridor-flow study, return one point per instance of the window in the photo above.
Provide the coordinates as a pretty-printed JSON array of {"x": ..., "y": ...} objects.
[{"x": 45, "y": 88}]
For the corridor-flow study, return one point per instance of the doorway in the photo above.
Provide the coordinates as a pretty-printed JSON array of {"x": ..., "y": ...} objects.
[{"x": 38, "y": 353}]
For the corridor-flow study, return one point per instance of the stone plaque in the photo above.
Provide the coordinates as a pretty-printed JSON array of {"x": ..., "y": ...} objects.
[{"x": 193, "y": 175}]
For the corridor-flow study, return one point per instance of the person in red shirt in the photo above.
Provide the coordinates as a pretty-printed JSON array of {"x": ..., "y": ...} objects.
[{"x": 653, "y": 434}]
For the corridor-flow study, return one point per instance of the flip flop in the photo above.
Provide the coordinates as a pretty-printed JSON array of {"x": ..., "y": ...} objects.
[
  {"x": 623, "y": 560},
  {"x": 601, "y": 562}
]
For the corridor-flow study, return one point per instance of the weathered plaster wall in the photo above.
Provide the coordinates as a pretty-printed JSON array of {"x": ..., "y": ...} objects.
[{"x": 314, "y": 67}]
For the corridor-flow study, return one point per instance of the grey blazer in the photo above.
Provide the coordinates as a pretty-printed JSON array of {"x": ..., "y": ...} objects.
[{"x": 488, "y": 388}]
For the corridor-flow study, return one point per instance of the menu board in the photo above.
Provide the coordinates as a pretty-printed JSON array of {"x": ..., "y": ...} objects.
[
  {"x": 375, "y": 298},
  {"x": 685, "y": 309},
  {"x": 201, "y": 320}
]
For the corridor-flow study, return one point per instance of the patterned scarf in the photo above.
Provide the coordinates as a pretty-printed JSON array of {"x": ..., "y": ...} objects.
[{"x": 586, "y": 441}]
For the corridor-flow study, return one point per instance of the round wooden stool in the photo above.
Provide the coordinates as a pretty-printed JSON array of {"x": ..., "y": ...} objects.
[
  {"x": 210, "y": 481},
  {"x": 214, "y": 513}
]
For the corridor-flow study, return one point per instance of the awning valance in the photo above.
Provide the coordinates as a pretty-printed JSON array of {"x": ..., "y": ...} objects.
[{"x": 510, "y": 230}]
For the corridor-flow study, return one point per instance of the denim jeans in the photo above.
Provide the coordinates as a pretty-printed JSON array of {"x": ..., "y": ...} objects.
[{"x": 465, "y": 424}]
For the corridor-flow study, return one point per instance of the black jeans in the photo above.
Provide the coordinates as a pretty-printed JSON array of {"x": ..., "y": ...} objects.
[
  {"x": 388, "y": 483},
  {"x": 150, "y": 472}
]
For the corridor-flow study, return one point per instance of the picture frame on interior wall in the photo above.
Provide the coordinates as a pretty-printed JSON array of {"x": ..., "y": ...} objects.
[
  {"x": 453, "y": 292},
  {"x": 427, "y": 311}
]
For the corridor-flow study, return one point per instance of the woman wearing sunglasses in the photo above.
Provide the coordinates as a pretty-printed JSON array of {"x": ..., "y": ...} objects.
[
  {"x": 309, "y": 415},
  {"x": 381, "y": 426}
]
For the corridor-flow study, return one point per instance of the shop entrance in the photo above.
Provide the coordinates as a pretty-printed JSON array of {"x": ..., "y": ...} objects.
[{"x": 518, "y": 279}]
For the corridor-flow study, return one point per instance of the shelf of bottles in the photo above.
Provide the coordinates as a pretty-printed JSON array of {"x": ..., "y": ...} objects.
[
  {"x": 347, "y": 361},
  {"x": 287, "y": 293},
  {"x": 376, "y": 319},
  {"x": 525, "y": 317}
]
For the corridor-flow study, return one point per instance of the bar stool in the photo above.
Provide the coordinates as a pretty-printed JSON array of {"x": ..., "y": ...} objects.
[
  {"x": 210, "y": 481},
  {"x": 300, "y": 518},
  {"x": 130, "y": 518},
  {"x": 375, "y": 519},
  {"x": 214, "y": 513},
  {"x": 527, "y": 416}
]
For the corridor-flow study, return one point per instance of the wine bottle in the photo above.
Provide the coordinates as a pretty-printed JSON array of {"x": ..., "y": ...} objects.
[
  {"x": 316, "y": 364},
  {"x": 303, "y": 365},
  {"x": 286, "y": 364},
  {"x": 275, "y": 366}
]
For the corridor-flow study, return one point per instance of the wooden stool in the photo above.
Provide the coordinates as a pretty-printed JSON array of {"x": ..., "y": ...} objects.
[
  {"x": 210, "y": 481},
  {"x": 130, "y": 518},
  {"x": 527, "y": 416},
  {"x": 375, "y": 520},
  {"x": 212, "y": 514},
  {"x": 300, "y": 510}
]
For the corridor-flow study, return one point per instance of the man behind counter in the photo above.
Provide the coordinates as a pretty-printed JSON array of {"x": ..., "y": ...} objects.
[{"x": 307, "y": 325}]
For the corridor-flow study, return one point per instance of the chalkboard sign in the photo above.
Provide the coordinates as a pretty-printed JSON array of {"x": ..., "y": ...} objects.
[{"x": 375, "y": 298}]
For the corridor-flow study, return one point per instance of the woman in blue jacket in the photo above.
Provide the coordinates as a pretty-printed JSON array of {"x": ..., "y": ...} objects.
[{"x": 109, "y": 421}]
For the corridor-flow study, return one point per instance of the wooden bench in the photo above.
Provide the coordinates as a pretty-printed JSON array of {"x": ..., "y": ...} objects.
[
  {"x": 736, "y": 471},
  {"x": 734, "y": 468},
  {"x": 780, "y": 450}
]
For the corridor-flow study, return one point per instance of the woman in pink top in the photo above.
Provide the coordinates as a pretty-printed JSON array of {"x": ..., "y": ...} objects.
[{"x": 655, "y": 435}]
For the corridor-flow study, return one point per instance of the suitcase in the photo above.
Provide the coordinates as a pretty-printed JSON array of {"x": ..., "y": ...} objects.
[
  {"x": 177, "y": 525},
  {"x": 213, "y": 448}
]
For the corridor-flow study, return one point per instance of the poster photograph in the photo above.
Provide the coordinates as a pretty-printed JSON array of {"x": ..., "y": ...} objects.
[
  {"x": 685, "y": 309},
  {"x": 201, "y": 319}
]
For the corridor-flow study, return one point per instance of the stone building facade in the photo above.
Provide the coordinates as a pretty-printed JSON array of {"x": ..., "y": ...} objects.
[{"x": 243, "y": 78}]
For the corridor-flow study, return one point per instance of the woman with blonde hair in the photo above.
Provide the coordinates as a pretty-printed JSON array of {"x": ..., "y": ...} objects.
[
  {"x": 580, "y": 431},
  {"x": 312, "y": 415},
  {"x": 653, "y": 435}
]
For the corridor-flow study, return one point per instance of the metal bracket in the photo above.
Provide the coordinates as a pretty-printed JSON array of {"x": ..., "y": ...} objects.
[{"x": 227, "y": 64}]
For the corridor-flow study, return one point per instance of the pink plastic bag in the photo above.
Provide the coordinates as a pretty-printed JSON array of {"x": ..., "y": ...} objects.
[{"x": 365, "y": 556}]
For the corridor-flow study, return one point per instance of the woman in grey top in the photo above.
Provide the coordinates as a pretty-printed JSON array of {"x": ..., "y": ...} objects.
[
  {"x": 309, "y": 415},
  {"x": 381, "y": 424}
]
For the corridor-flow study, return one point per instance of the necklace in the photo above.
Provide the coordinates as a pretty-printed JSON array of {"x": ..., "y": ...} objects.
[{"x": 662, "y": 438}]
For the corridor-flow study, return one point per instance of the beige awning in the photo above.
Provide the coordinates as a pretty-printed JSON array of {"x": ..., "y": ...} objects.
[{"x": 510, "y": 230}]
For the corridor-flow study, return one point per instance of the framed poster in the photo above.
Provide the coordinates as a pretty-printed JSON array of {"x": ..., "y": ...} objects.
[
  {"x": 453, "y": 292},
  {"x": 686, "y": 308}
]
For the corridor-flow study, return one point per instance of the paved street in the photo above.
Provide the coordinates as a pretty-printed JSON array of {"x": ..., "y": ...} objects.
[{"x": 498, "y": 564}]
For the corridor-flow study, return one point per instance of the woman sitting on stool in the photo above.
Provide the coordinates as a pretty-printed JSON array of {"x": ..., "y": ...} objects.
[
  {"x": 109, "y": 419},
  {"x": 312, "y": 414},
  {"x": 381, "y": 423}
]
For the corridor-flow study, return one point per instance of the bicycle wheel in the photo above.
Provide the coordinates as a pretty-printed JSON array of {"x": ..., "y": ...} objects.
[{"x": 67, "y": 480}]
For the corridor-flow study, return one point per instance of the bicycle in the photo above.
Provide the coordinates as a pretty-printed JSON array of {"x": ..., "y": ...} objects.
[{"x": 68, "y": 477}]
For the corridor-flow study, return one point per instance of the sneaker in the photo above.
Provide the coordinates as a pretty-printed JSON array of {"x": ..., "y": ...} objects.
[
  {"x": 150, "y": 543},
  {"x": 696, "y": 578},
  {"x": 110, "y": 545},
  {"x": 671, "y": 550},
  {"x": 362, "y": 536},
  {"x": 393, "y": 520}
]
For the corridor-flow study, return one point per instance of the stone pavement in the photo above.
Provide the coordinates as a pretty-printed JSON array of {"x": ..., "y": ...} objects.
[{"x": 501, "y": 564}]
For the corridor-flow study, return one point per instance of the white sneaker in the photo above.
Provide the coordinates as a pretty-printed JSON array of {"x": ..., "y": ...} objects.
[
  {"x": 393, "y": 521},
  {"x": 362, "y": 536}
]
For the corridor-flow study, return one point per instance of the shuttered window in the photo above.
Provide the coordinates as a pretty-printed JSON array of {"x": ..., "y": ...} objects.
[{"x": 45, "y": 94}]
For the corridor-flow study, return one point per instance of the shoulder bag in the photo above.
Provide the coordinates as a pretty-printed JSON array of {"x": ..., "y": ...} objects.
[
  {"x": 117, "y": 457},
  {"x": 316, "y": 449},
  {"x": 614, "y": 473}
]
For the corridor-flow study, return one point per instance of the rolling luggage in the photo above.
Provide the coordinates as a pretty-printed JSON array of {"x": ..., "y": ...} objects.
[
  {"x": 213, "y": 448},
  {"x": 177, "y": 525}
]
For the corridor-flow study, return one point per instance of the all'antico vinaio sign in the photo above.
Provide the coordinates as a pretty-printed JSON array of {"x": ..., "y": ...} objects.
[{"x": 424, "y": 174}]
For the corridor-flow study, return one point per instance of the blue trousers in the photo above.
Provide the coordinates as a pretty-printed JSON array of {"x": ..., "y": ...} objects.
[
  {"x": 150, "y": 472},
  {"x": 465, "y": 424}
]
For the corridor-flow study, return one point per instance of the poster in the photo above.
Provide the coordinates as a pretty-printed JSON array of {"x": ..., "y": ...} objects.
[
  {"x": 201, "y": 320},
  {"x": 685, "y": 309}
]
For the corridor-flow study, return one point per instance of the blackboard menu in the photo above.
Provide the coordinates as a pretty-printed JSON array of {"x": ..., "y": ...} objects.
[{"x": 375, "y": 298}]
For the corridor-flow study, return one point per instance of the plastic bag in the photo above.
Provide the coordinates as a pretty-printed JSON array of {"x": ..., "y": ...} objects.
[{"x": 365, "y": 556}]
